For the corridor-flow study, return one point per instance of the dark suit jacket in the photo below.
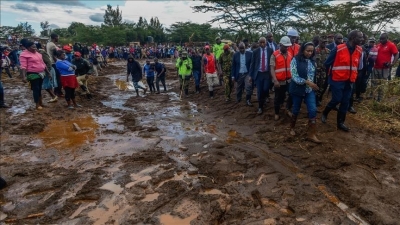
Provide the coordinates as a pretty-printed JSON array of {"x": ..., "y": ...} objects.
[
  {"x": 274, "y": 44},
  {"x": 236, "y": 63},
  {"x": 331, "y": 46},
  {"x": 255, "y": 62}
]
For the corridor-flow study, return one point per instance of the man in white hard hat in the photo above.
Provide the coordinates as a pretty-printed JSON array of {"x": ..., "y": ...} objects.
[
  {"x": 293, "y": 35},
  {"x": 281, "y": 75}
]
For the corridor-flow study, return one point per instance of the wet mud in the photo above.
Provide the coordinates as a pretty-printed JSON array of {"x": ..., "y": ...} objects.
[{"x": 163, "y": 159}]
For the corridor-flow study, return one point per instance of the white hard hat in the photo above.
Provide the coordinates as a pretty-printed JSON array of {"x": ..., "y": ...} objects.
[
  {"x": 292, "y": 32},
  {"x": 285, "y": 41}
]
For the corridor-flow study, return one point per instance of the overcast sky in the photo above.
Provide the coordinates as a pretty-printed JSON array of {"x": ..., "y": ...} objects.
[{"x": 60, "y": 13}]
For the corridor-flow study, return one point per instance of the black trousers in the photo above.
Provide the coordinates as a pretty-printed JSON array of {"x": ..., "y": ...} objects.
[{"x": 69, "y": 93}]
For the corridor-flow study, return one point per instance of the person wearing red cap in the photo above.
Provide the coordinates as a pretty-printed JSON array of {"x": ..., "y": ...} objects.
[
  {"x": 224, "y": 70},
  {"x": 81, "y": 72},
  {"x": 209, "y": 68}
]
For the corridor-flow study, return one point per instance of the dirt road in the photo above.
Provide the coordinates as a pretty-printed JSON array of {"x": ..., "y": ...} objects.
[{"x": 156, "y": 159}]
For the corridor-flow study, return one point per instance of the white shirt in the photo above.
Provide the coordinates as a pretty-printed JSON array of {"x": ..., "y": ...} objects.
[{"x": 266, "y": 59}]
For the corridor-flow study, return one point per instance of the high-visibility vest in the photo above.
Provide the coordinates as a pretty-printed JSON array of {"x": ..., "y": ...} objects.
[
  {"x": 294, "y": 49},
  {"x": 345, "y": 65},
  {"x": 209, "y": 63},
  {"x": 282, "y": 66}
]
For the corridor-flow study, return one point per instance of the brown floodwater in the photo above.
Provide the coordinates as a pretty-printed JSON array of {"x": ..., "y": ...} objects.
[{"x": 61, "y": 134}]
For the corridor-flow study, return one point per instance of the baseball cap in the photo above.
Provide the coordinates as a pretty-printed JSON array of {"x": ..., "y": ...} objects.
[{"x": 77, "y": 54}]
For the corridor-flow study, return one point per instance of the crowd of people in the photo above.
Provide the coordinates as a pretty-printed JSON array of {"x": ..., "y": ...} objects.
[{"x": 295, "y": 72}]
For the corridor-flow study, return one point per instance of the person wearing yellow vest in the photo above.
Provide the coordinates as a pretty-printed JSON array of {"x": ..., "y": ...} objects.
[
  {"x": 184, "y": 65},
  {"x": 281, "y": 75},
  {"x": 344, "y": 62},
  {"x": 218, "y": 49}
]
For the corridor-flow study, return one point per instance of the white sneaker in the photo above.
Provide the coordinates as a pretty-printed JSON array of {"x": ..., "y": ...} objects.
[{"x": 53, "y": 100}]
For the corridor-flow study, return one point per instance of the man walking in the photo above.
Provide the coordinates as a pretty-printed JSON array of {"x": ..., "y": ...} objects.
[
  {"x": 383, "y": 63},
  {"x": 184, "y": 66},
  {"x": 281, "y": 75},
  {"x": 135, "y": 70},
  {"x": 160, "y": 70},
  {"x": 224, "y": 68},
  {"x": 260, "y": 72},
  {"x": 321, "y": 54},
  {"x": 344, "y": 61},
  {"x": 294, "y": 36},
  {"x": 196, "y": 60},
  {"x": 338, "y": 39},
  {"x": 51, "y": 49},
  {"x": 270, "y": 42},
  {"x": 218, "y": 49},
  {"x": 240, "y": 73},
  {"x": 209, "y": 68},
  {"x": 81, "y": 72}
]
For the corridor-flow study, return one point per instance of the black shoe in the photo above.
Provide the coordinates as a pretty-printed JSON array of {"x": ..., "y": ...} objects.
[
  {"x": 341, "y": 117},
  {"x": 325, "y": 113},
  {"x": 260, "y": 111},
  {"x": 343, "y": 127},
  {"x": 248, "y": 103},
  {"x": 352, "y": 110},
  {"x": 3, "y": 183}
]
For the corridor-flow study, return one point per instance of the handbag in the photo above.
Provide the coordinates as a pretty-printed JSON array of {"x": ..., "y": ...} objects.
[{"x": 33, "y": 76}]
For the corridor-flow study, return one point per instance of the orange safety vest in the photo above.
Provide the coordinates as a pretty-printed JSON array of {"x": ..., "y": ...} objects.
[
  {"x": 345, "y": 65},
  {"x": 210, "y": 63},
  {"x": 294, "y": 49},
  {"x": 282, "y": 66}
]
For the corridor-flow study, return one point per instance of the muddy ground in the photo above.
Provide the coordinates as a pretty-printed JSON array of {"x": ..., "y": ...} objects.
[{"x": 156, "y": 159}]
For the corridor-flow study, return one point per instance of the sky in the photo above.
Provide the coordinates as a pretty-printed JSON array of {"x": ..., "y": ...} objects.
[{"x": 60, "y": 13}]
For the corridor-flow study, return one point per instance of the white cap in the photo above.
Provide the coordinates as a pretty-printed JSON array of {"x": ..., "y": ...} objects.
[
  {"x": 285, "y": 41},
  {"x": 292, "y": 32}
]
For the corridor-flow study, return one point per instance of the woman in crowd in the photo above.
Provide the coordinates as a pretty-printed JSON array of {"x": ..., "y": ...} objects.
[
  {"x": 33, "y": 70},
  {"x": 68, "y": 78},
  {"x": 50, "y": 80},
  {"x": 303, "y": 87}
]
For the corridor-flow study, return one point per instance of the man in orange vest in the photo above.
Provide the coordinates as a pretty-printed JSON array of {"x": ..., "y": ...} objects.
[
  {"x": 209, "y": 69},
  {"x": 344, "y": 62},
  {"x": 294, "y": 36},
  {"x": 281, "y": 75}
]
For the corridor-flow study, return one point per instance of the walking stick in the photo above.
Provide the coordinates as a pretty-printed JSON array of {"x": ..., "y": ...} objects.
[{"x": 183, "y": 84}]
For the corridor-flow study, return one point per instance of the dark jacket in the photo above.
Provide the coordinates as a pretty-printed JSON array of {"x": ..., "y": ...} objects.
[
  {"x": 236, "y": 63},
  {"x": 196, "y": 61},
  {"x": 135, "y": 70},
  {"x": 255, "y": 62},
  {"x": 331, "y": 46},
  {"x": 276, "y": 47},
  {"x": 82, "y": 66},
  {"x": 295, "y": 88}
]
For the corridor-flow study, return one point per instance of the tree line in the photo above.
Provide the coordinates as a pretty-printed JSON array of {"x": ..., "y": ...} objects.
[{"x": 241, "y": 18}]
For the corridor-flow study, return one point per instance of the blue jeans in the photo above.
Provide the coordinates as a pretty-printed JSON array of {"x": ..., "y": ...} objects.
[
  {"x": 197, "y": 77},
  {"x": 263, "y": 82},
  {"x": 1, "y": 94},
  {"x": 310, "y": 101},
  {"x": 341, "y": 93}
]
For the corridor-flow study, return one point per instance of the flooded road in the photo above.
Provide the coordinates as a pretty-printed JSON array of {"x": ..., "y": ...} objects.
[{"x": 160, "y": 159}]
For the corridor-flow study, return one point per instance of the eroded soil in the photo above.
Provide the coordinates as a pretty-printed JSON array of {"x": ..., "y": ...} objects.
[{"x": 159, "y": 159}]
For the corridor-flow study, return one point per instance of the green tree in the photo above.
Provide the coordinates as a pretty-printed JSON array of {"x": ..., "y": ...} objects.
[
  {"x": 45, "y": 29},
  {"x": 24, "y": 30},
  {"x": 112, "y": 17}
]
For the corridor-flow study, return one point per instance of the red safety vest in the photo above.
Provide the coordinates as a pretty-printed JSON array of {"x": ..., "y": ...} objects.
[
  {"x": 282, "y": 66},
  {"x": 294, "y": 49},
  {"x": 209, "y": 66},
  {"x": 345, "y": 65}
]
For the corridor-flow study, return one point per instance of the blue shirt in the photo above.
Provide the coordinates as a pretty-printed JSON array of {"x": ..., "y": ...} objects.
[
  {"x": 243, "y": 68},
  {"x": 148, "y": 70},
  {"x": 310, "y": 73}
]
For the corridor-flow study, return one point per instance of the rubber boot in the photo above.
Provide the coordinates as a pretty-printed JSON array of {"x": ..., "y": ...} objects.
[
  {"x": 186, "y": 92},
  {"x": 197, "y": 89},
  {"x": 89, "y": 96},
  {"x": 137, "y": 93},
  {"x": 312, "y": 131},
  {"x": 292, "y": 125},
  {"x": 341, "y": 117},
  {"x": 84, "y": 88},
  {"x": 325, "y": 113},
  {"x": 3, "y": 183},
  {"x": 211, "y": 94}
]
